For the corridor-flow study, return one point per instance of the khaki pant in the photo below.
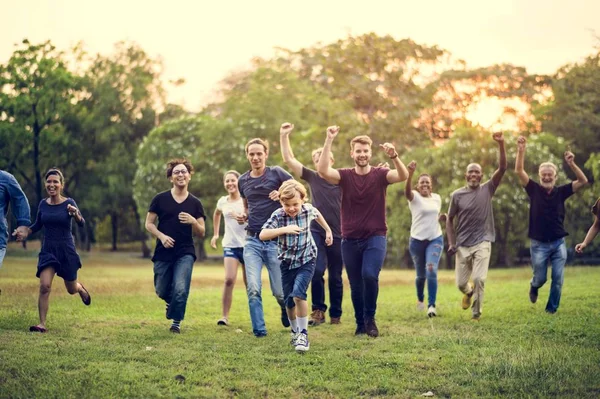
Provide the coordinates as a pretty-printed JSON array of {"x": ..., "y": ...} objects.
[{"x": 473, "y": 262}]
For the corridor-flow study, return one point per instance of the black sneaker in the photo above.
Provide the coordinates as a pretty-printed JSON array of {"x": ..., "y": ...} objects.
[
  {"x": 533, "y": 294},
  {"x": 371, "y": 327},
  {"x": 284, "y": 318},
  {"x": 360, "y": 329}
]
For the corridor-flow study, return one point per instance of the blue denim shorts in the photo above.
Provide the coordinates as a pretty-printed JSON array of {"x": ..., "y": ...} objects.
[
  {"x": 295, "y": 281},
  {"x": 236, "y": 253}
]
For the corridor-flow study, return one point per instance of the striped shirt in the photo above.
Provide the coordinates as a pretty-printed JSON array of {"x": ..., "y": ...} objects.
[{"x": 295, "y": 249}]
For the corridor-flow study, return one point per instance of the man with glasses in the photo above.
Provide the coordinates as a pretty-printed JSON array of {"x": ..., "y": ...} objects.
[{"x": 180, "y": 216}]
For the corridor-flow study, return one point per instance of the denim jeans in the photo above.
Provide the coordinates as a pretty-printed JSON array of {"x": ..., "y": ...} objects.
[
  {"x": 2, "y": 254},
  {"x": 256, "y": 254},
  {"x": 295, "y": 281},
  {"x": 328, "y": 257},
  {"x": 363, "y": 259},
  {"x": 172, "y": 284},
  {"x": 555, "y": 253},
  {"x": 426, "y": 257}
]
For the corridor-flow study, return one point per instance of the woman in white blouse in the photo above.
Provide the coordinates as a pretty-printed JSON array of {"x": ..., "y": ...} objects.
[
  {"x": 230, "y": 206},
  {"x": 426, "y": 238}
]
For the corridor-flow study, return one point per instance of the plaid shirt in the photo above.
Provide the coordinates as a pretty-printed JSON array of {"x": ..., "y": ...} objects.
[{"x": 295, "y": 249}]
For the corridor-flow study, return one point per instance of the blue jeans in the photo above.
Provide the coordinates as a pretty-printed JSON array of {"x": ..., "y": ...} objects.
[
  {"x": 554, "y": 252},
  {"x": 172, "y": 284},
  {"x": 363, "y": 259},
  {"x": 257, "y": 253},
  {"x": 2, "y": 254},
  {"x": 426, "y": 257},
  {"x": 295, "y": 281},
  {"x": 328, "y": 257}
]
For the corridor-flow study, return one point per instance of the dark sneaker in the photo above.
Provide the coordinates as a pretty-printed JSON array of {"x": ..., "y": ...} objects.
[
  {"x": 550, "y": 311},
  {"x": 335, "y": 320},
  {"x": 360, "y": 330},
  {"x": 371, "y": 327},
  {"x": 86, "y": 298},
  {"x": 533, "y": 294},
  {"x": 466, "y": 300},
  {"x": 316, "y": 317},
  {"x": 284, "y": 318},
  {"x": 176, "y": 329}
]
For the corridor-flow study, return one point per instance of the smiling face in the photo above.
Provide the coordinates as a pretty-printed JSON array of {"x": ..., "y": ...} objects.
[
  {"x": 230, "y": 182},
  {"x": 292, "y": 206},
  {"x": 547, "y": 177},
  {"x": 473, "y": 175},
  {"x": 180, "y": 176},
  {"x": 257, "y": 156},
  {"x": 424, "y": 186},
  {"x": 361, "y": 154},
  {"x": 53, "y": 185}
]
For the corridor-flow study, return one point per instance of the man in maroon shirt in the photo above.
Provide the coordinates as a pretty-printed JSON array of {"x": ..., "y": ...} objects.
[{"x": 363, "y": 220}]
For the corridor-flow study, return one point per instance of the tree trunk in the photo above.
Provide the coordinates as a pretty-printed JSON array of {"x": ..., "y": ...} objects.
[
  {"x": 114, "y": 222},
  {"x": 141, "y": 232},
  {"x": 200, "y": 251}
]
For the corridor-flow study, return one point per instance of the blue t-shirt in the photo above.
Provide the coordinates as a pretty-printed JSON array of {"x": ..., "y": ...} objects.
[
  {"x": 256, "y": 192},
  {"x": 327, "y": 198}
]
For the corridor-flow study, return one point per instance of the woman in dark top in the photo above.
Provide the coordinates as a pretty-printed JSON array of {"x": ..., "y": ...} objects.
[{"x": 58, "y": 254}]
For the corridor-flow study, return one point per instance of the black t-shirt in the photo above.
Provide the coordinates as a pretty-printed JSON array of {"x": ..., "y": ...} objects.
[
  {"x": 327, "y": 198},
  {"x": 167, "y": 209},
  {"x": 547, "y": 211}
]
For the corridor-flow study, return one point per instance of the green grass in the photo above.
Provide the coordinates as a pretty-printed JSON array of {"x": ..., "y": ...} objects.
[{"x": 121, "y": 347}]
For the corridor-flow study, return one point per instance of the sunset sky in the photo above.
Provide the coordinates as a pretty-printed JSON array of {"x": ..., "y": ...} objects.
[{"x": 203, "y": 41}]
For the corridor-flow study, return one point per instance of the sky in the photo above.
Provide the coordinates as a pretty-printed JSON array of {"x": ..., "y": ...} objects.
[{"x": 203, "y": 41}]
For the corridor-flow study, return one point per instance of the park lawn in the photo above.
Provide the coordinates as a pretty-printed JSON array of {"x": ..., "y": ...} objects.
[{"x": 120, "y": 346}]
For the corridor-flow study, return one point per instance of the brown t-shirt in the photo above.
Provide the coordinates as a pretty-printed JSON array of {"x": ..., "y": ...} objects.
[{"x": 363, "y": 203}]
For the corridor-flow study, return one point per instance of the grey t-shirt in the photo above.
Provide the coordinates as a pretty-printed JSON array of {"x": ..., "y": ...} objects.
[
  {"x": 327, "y": 198},
  {"x": 475, "y": 218}
]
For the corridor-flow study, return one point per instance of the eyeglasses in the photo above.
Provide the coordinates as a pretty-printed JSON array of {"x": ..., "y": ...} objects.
[{"x": 180, "y": 172}]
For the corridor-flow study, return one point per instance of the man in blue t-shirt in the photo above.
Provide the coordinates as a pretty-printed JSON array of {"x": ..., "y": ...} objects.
[
  {"x": 546, "y": 222},
  {"x": 258, "y": 189},
  {"x": 12, "y": 194},
  {"x": 327, "y": 198}
]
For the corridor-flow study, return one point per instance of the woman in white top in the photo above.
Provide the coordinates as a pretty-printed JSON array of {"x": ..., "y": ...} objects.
[
  {"x": 230, "y": 206},
  {"x": 426, "y": 239}
]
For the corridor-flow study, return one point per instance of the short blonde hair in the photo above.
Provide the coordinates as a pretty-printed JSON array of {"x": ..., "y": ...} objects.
[
  {"x": 320, "y": 151},
  {"x": 364, "y": 139},
  {"x": 548, "y": 165},
  {"x": 289, "y": 188}
]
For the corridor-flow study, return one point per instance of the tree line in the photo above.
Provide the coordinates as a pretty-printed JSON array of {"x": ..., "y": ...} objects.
[{"x": 103, "y": 119}]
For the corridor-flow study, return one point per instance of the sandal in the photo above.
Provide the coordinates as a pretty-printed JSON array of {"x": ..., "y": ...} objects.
[
  {"x": 38, "y": 329},
  {"x": 86, "y": 301}
]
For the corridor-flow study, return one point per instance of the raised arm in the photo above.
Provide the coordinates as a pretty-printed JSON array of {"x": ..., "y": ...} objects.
[
  {"x": 325, "y": 170},
  {"x": 216, "y": 228},
  {"x": 591, "y": 234},
  {"x": 399, "y": 173},
  {"x": 286, "y": 150},
  {"x": 581, "y": 179},
  {"x": 408, "y": 192},
  {"x": 520, "y": 162},
  {"x": 503, "y": 165}
]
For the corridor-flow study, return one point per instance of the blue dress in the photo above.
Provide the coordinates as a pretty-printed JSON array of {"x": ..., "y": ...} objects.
[{"x": 58, "y": 248}]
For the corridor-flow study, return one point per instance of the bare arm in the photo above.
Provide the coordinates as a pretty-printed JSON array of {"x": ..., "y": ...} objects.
[
  {"x": 408, "y": 193},
  {"x": 520, "y": 162},
  {"x": 399, "y": 173},
  {"x": 451, "y": 236},
  {"x": 216, "y": 227},
  {"x": 503, "y": 165},
  {"x": 269, "y": 234},
  {"x": 328, "y": 173},
  {"x": 199, "y": 228},
  {"x": 581, "y": 179},
  {"x": 286, "y": 150},
  {"x": 150, "y": 225},
  {"x": 328, "y": 234},
  {"x": 591, "y": 234},
  {"x": 243, "y": 217}
]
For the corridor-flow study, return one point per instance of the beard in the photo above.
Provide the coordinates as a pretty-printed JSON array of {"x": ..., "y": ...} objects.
[
  {"x": 361, "y": 162},
  {"x": 547, "y": 185}
]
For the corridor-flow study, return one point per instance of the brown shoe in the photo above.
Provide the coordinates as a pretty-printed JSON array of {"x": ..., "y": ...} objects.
[
  {"x": 316, "y": 317},
  {"x": 371, "y": 327},
  {"x": 335, "y": 320}
]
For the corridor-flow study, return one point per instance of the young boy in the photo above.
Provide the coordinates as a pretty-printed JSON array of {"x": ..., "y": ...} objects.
[{"x": 297, "y": 251}]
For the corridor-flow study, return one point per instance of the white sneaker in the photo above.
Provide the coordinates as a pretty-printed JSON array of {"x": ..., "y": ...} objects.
[
  {"x": 420, "y": 306},
  {"x": 294, "y": 338},
  {"x": 302, "y": 344},
  {"x": 431, "y": 311}
]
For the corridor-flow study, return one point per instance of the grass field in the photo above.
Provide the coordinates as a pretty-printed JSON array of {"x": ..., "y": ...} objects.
[{"x": 120, "y": 346}]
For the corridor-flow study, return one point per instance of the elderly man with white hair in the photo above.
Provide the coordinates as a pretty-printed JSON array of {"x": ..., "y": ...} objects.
[{"x": 546, "y": 222}]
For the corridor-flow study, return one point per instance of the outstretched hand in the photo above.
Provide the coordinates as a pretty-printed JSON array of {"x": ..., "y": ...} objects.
[
  {"x": 412, "y": 166},
  {"x": 286, "y": 129},
  {"x": 389, "y": 149},
  {"x": 498, "y": 137}
]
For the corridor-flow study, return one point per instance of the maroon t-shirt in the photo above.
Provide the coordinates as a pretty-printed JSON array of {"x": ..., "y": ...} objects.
[{"x": 363, "y": 202}]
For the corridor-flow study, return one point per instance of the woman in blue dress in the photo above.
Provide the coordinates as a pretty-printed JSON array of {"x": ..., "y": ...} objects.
[{"x": 58, "y": 254}]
